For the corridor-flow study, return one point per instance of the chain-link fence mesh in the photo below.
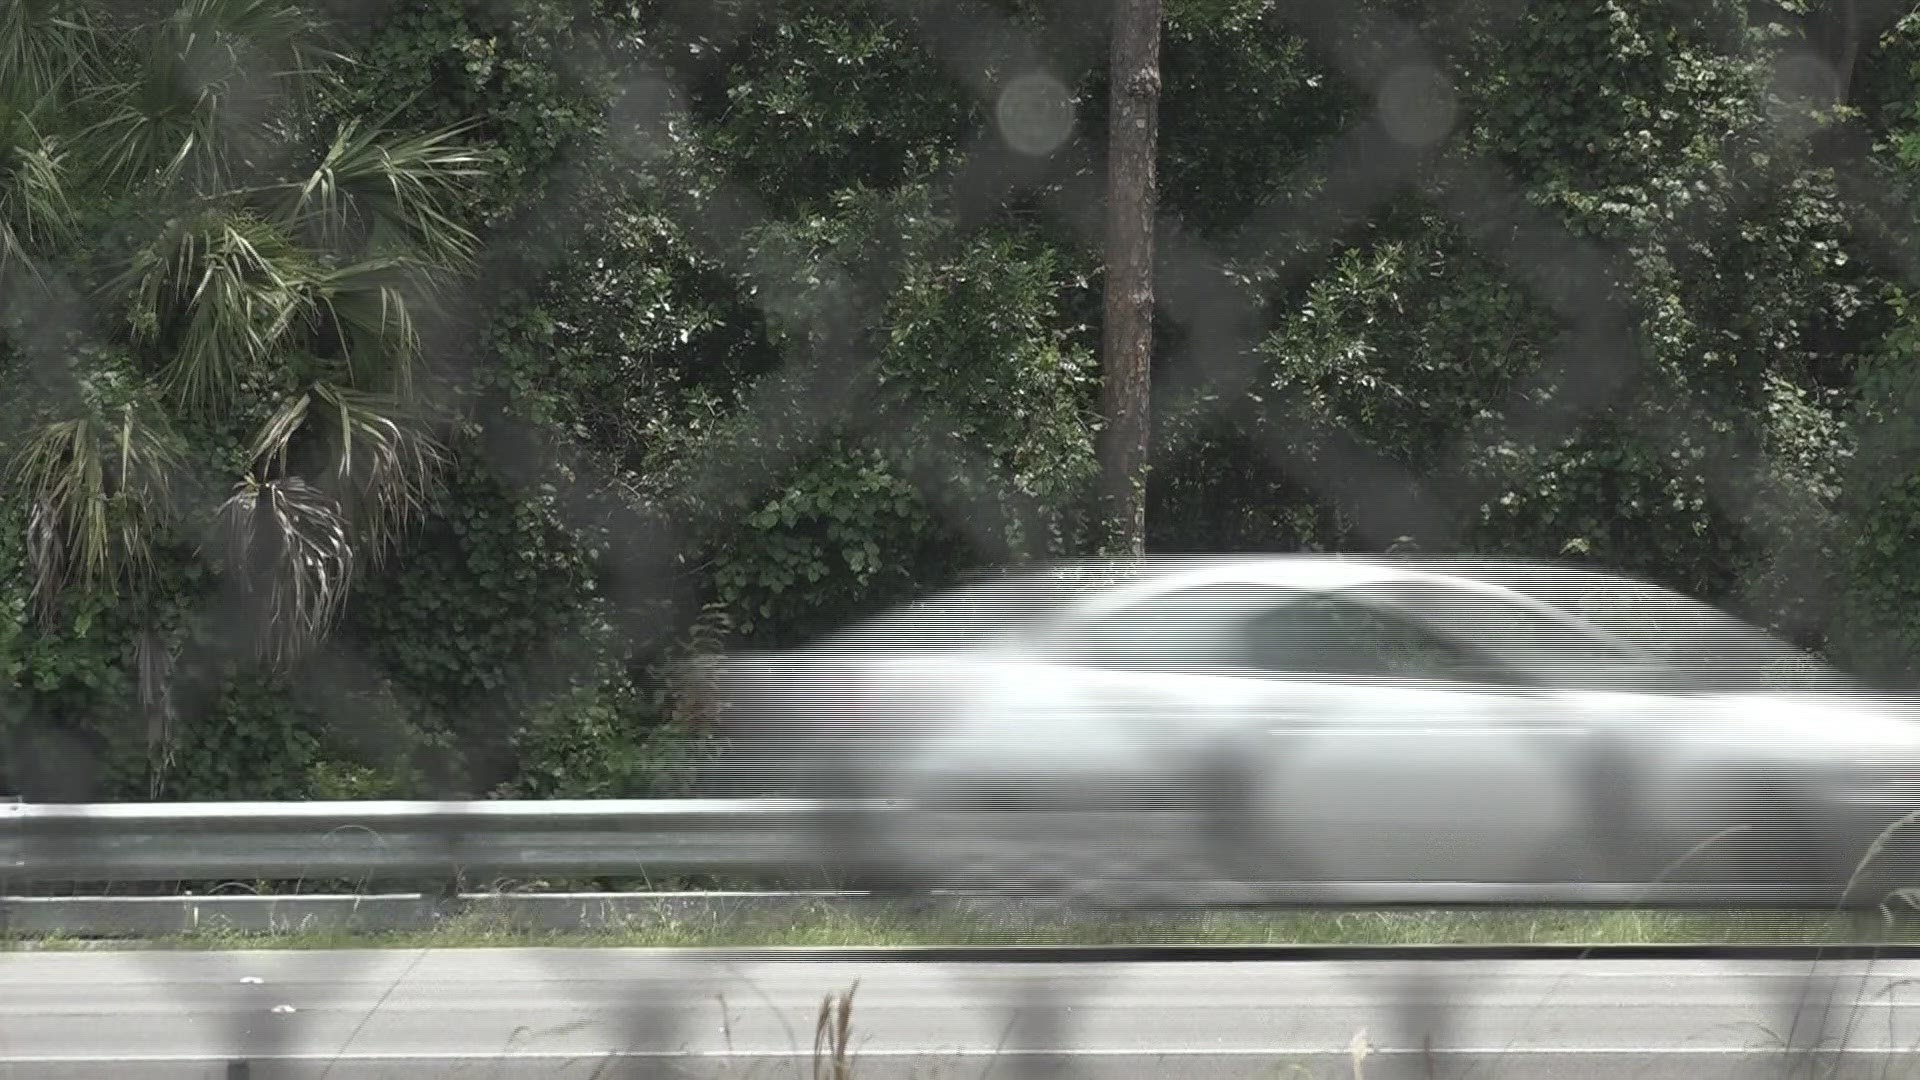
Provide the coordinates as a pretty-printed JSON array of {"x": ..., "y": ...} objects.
[{"x": 1030, "y": 154}]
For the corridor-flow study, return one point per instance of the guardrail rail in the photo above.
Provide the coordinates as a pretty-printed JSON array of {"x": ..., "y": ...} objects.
[{"x": 376, "y": 841}]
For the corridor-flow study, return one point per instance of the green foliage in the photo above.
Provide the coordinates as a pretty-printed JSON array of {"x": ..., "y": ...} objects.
[
  {"x": 63, "y": 717},
  {"x": 843, "y": 533},
  {"x": 742, "y": 365},
  {"x": 962, "y": 433},
  {"x": 340, "y": 781},
  {"x": 631, "y": 347},
  {"x": 1243, "y": 110},
  {"x": 822, "y": 96},
  {"x": 1411, "y": 343},
  {"x": 1879, "y": 630},
  {"x": 1880, "y": 504},
  {"x": 527, "y": 77},
  {"x": 250, "y": 742},
  {"x": 493, "y": 609},
  {"x": 621, "y": 737},
  {"x": 492, "y": 581},
  {"x": 977, "y": 336},
  {"x": 1617, "y": 323},
  {"x": 601, "y": 742},
  {"x": 216, "y": 303}
]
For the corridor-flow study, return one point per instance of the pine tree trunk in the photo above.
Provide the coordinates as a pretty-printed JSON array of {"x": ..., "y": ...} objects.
[{"x": 1132, "y": 203}]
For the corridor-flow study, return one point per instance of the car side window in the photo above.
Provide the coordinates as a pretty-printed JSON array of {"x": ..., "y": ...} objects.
[
  {"x": 1195, "y": 628},
  {"x": 1550, "y": 651},
  {"x": 1335, "y": 635}
]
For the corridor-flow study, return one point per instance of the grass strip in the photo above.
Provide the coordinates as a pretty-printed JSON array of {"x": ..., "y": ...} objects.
[{"x": 840, "y": 924}]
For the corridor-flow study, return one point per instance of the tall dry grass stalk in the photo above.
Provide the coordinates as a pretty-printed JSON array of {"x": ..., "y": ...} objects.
[{"x": 832, "y": 1056}]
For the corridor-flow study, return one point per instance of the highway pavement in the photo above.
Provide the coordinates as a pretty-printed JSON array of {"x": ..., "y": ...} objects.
[{"x": 560, "y": 1014}]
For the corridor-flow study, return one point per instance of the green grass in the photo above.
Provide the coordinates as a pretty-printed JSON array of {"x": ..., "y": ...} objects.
[{"x": 828, "y": 924}]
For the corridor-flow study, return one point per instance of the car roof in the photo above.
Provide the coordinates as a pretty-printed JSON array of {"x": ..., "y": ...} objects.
[
  {"x": 999, "y": 597},
  {"x": 1641, "y": 617},
  {"x": 1318, "y": 571}
]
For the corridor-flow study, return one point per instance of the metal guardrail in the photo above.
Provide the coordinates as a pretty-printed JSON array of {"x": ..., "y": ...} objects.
[
  {"x": 375, "y": 841},
  {"x": 256, "y": 1012}
]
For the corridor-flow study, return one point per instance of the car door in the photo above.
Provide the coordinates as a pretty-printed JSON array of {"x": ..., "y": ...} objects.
[
  {"x": 1137, "y": 692},
  {"x": 1396, "y": 753},
  {"x": 1606, "y": 701},
  {"x": 1116, "y": 708}
]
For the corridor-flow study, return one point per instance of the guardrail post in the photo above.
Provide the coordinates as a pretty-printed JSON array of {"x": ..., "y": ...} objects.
[
  {"x": 6, "y": 879},
  {"x": 444, "y": 896}
]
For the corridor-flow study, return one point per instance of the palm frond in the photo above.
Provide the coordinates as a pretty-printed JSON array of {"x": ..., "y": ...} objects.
[
  {"x": 395, "y": 193},
  {"x": 208, "y": 74},
  {"x": 386, "y": 461},
  {"x": 371, "y": 304},
  {"x": 290, "y": 546},
  {"x": 97, "y": 491},
  {"x": 34, "y": 211},
  {"x": 45, "y": 47},
  {"x": 223, "y": 290},
  {"x": 280, "y": 30},
  {"x": 160, "y": 125},
  {"x": 274, "y": 442},
  {"x": 385, "y": 467}
]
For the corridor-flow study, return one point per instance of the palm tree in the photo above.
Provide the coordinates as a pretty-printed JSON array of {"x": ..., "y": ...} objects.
[
  {"x": 46, "y": 49},
  {"x": 258, "y": 259}
]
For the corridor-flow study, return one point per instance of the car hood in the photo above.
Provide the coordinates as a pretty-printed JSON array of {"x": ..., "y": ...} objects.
[{"x": 1843, "y": 724}]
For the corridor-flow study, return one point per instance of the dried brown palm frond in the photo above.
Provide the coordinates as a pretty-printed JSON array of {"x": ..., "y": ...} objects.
[
  {"x": 385, "y": 464},
  {"x": 387, "y": 461},
  {"x": 290, "y": 546}
]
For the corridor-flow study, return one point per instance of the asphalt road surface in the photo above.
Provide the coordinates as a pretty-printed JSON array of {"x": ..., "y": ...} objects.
[{"x": 559, "y": 1014}]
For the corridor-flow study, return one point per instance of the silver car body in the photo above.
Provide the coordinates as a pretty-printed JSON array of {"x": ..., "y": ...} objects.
[{"x": 1325, "y": 729}]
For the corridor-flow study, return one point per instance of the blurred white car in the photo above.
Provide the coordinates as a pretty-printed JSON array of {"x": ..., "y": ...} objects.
[{"x": 1333, "y": 729}]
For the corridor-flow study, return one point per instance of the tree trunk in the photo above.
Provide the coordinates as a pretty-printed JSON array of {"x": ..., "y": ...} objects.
[
  {"x": 1132, "y": 203},
  {"x": 1849, "y": 57},
  {"x": 153, "y": 660}
]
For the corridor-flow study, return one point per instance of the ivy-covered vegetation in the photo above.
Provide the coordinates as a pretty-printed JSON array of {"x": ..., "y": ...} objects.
[{"x": 393, "y": 390}]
